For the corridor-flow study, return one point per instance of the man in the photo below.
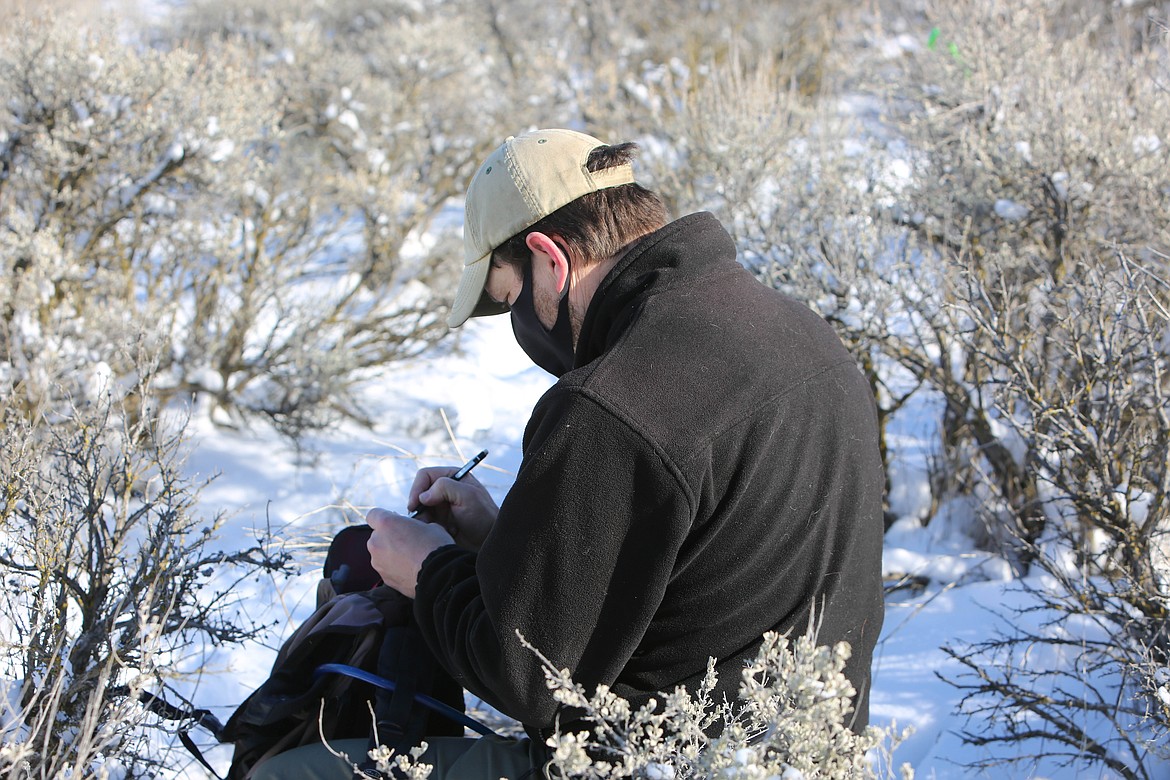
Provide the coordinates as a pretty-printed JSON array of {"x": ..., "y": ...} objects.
[{"x": 706, "y": 468}]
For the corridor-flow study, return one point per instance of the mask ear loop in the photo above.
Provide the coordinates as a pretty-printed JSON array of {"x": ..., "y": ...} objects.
[{"x": 569, "y": 276}]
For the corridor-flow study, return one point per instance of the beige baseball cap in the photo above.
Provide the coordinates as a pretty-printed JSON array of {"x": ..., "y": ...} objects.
[{"x": 523, "y": 181}]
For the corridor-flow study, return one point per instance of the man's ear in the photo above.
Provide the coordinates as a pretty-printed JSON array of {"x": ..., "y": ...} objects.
[{"x": 546, "y": 250}]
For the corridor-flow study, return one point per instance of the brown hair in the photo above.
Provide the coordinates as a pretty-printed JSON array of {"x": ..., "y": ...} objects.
[{"x": 599, "y": 225}]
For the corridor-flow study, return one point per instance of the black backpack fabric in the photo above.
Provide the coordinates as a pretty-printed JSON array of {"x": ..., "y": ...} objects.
[{"x": 362, "y": 626}]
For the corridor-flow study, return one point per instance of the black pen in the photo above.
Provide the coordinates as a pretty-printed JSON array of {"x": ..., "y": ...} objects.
[{"x": 463, "y": 471}]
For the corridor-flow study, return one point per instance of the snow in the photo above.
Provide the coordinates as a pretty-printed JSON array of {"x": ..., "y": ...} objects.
[
  {"x": 1146, "y": 144},
  {"x": 1010, "y": 210}
]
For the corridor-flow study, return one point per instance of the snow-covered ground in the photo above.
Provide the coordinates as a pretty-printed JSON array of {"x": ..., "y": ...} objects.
[{"x": 443, "y": 409}]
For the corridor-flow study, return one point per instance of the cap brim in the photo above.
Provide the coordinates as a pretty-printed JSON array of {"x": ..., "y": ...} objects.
[
  {"x": 487, "y": 307},
  {"x": 470, "y": 300}
]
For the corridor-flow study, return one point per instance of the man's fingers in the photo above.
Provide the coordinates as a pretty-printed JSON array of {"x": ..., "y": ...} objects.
[
  {"x": 423, "y": 480},
  {"x": 439, "y": 491},
  {"x": 377, "y": 517}
]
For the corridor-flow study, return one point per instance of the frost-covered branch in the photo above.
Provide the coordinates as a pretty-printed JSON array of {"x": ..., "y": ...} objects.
[{"x": 790, "y": 720}]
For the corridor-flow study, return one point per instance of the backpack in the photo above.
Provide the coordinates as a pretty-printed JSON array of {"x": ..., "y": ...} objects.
[{"x": 357, "y": 667}]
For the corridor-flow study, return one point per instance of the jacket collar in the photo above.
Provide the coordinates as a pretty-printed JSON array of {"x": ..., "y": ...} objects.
[{"x": 679, "y": 253}]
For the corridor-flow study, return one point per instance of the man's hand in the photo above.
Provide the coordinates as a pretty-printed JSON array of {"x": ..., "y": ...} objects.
[
  {"x": 399, "y": 545},
  {"x": 464, "y": 508}
]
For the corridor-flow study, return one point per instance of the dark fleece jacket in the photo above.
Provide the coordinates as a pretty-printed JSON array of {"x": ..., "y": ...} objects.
[{"x": 708, "y": 471}]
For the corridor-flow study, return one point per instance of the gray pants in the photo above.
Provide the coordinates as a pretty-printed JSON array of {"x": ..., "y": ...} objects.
[{"x": 453, "y": 758}]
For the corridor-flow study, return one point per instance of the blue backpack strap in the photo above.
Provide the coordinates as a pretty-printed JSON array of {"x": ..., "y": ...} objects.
[{"x": 429, "y": 702}]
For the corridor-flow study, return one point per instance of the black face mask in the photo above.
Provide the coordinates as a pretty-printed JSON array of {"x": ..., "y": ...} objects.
[{"x": 552, "y": 350}]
